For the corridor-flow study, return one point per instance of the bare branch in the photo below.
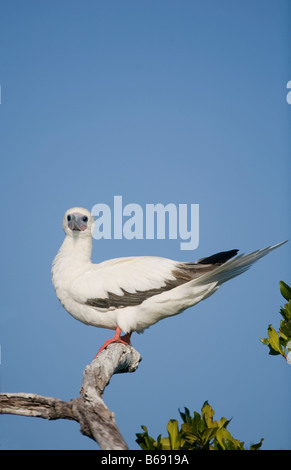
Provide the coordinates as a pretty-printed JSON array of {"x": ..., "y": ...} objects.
[
  {"x": 95, "y": 419},
  {"x": 29, "y": 404}
]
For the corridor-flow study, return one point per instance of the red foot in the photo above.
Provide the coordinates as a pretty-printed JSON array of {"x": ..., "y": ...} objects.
[{"x": 116, "y": 339}]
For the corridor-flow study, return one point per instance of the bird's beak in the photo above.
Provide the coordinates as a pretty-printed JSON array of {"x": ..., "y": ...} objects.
[{"x": 76, "y": 222}]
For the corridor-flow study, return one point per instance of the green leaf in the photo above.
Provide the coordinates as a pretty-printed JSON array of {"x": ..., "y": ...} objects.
[
  {"x": 186, "y": 416},
  {"x": 186, "y": 428},
  {"x": 285, "y": 290},
  {"x": 145, "y": 441},
  {"x": 165, "y": 443},
  {"x": 257, "y": 446},
  {"x": 158, "y": 443},
  {"x": 223, "y": 422},
  {"x": 195, "y": 423},
  {"x": 220, "y": 436},
  {"x": 209, "y": 434},
  {"x": 173, "y": 431},
  {"x": 285, "y": 329},
  {"x": 273, "y": 342},
  {"x": 286, "y": 312},
  {"x": 226, "y": 441},
  {"x": 208, "y": 413},
  {"x": 187, "y": 435}
]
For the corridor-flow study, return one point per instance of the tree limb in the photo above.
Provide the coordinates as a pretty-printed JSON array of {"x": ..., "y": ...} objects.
[{"x": 95, "y": 419}]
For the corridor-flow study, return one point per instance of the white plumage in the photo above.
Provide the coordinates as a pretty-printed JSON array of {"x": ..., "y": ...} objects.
[{"x": 131, "y": 294}]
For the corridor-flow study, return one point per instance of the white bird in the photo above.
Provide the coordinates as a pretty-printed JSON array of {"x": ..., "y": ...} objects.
[{"x": 131, "y": 294}]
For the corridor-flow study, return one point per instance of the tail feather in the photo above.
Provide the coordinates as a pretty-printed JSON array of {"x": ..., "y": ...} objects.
[
  {"x": 218, "y": 258},
  {"x": 235, "y": 266}
]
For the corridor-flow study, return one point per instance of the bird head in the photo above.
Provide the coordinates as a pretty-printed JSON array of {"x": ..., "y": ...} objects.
[{"x": 78, "y": 222}]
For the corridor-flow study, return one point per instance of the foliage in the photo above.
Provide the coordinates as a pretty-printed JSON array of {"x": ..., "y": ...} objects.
[
  {"x": 280, "y": 342},
  {"x": 199, "y": 432}
]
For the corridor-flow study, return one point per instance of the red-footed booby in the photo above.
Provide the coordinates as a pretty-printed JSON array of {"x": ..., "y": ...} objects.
[{"x": 131, "y": 294}]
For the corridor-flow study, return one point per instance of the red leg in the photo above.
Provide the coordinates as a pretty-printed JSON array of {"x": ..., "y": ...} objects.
[
  {"x": 116, "y": 339},
  {"x": 126, "y": 338}
]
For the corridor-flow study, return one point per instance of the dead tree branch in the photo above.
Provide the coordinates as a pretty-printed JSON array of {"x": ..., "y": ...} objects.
[{"x": 95, "y": 419}]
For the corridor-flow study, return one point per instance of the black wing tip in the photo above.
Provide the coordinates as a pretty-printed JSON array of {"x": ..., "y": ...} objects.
[{"x": 219, "y": 258}]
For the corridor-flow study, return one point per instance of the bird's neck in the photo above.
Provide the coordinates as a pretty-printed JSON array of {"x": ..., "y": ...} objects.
[{"x": 77, "y": 249}]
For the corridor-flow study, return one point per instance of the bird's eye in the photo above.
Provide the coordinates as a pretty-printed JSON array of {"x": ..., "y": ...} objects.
[
  {"x": 68, "y": 218},
  {"x": 85, "y": 218}
]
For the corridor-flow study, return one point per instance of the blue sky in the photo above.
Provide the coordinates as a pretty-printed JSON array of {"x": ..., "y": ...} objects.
[{"x": 171, "y": 102}]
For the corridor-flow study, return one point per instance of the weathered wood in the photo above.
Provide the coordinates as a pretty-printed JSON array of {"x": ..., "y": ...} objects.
[
  {"x": 30, "y": 404},
  {"x": 96, "y": 420}
]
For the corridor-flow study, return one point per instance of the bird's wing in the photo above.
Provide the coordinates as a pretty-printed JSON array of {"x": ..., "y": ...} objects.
[{"x": 124, "y": 282}]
